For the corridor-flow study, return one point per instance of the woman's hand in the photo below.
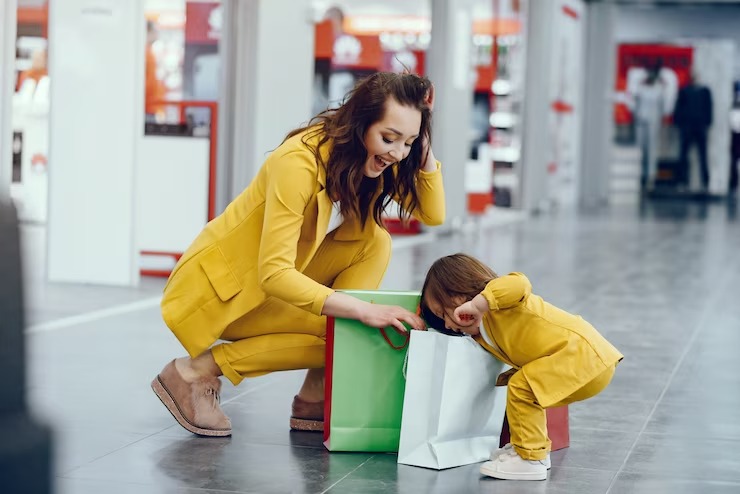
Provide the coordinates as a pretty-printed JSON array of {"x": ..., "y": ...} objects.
[
  {"x": 430, "y": 162},
  {"x": 429, "y": 98},
  {"x": 382, "y": 316},
  {"x": 373, "y": 315}
]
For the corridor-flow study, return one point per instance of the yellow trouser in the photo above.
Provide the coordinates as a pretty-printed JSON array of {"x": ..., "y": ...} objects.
[
  {"x": 278, "y": 336},
  {"x": 527, "y": 419}
]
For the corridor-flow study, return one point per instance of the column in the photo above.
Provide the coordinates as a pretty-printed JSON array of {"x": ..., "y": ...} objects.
[
  {"x": 449, "y": 66},
  {"x": 8, "y": 10},
  {"x": 553, "y": 105},
  {"x": 536, "y": 139},
  {"x": 96, "y": 63},
  {"x": 597, "y": 115},
  {"x": 268, "y": 60}
]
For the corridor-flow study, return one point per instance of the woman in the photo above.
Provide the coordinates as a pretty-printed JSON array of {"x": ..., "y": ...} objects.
[{"x": 262, "y": 276}]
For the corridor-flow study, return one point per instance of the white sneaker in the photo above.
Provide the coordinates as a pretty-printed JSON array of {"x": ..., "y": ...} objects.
[
  {"x": 511, "y": 466},
  {"x": 508, "y": 448}
]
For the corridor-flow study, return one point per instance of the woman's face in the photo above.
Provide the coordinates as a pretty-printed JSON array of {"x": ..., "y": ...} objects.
[{"x": 388, "y": 140}]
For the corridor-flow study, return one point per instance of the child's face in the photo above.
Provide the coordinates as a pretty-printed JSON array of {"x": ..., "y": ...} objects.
[{"x": 447, "y": 314}]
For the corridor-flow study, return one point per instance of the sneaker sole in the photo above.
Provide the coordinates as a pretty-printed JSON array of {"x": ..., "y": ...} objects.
[
  {"x": 169, "y": 402},
  {"x": 306, "y": 425},
  {"x": 494, "y": 457},
  {"x": 512, "y": 476}
]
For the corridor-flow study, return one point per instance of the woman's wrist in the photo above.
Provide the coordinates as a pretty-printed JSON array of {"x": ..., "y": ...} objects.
[
  {"x": 343, "y": 305},
  {"x": 430, "y": 163}
]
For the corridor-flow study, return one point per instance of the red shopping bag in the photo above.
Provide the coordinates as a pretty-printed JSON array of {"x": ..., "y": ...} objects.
[{"x": 558, "y": 429}]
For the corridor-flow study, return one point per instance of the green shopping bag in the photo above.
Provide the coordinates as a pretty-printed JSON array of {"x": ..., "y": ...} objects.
[{"x": 364, "y": 381}]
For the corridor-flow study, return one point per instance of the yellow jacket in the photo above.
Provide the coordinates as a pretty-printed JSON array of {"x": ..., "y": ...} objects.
[
  {"x": 558, "y": 352},
  {"x": 261, "y": 244}
]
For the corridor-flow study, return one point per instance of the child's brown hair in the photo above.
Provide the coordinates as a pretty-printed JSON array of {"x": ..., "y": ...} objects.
[{"x": 458, "y": 275}]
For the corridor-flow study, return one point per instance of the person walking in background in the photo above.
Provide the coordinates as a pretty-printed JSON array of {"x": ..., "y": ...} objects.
[
  {"x": 734, "y": 145},
  {"x": 262, "y": 276},
  {"x": 649, "y": 104},
  {"x": 693, "y": 117}
]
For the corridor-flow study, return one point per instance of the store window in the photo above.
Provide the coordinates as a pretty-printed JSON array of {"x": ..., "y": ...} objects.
[
  {"x": 182, "y": 80},
  {"x": 30, "y": 115},
  {"x": 350, "y": 47},
  {"x": 182, "y": 75},
  {"x": 353, "y": 41}
]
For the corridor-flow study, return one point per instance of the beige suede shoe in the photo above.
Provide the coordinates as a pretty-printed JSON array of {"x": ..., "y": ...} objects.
[
  {"x": 195, "y": 405},
  {"x": 307, "y": 416}
]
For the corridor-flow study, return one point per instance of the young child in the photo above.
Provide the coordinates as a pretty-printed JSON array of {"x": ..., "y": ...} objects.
[{"x": 557, "y": 357}]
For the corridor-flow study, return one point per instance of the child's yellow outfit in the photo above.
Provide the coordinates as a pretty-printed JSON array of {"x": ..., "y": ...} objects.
[
  {"x": 560, "y": 358},
  {"x": 259, "y": 273}
]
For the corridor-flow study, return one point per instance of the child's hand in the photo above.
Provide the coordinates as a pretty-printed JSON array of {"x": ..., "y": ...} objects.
[{"x": 468, "y": 315}]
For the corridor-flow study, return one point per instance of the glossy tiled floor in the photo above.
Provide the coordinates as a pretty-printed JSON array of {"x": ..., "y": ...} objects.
[{"x": 661, "y": 281}]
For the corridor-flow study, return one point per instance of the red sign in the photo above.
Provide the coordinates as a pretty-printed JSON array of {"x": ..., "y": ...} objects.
[
  {"x": 357, "y": 53},
  {"x": 203, "y": 22},
  {"x": 675, "y": 58}
]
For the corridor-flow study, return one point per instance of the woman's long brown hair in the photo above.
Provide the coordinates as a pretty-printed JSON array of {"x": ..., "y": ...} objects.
[{"x": 344, "y": 129}]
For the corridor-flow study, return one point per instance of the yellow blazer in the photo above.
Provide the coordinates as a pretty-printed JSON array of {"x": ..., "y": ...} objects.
[
  {"x": 558, "y": 352},
  {"x": 261, "y": 244}
]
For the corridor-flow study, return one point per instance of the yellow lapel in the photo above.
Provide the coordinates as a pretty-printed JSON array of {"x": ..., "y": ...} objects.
[
  {"x": 350, "y": 229},
  {"x": 321, "y": 222}
]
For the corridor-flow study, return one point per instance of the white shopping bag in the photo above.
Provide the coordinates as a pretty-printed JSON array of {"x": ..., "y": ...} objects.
[{"x": 452, "y": 411}]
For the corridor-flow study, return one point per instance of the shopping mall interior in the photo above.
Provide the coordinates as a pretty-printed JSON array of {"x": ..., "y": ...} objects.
[{"x": 591, "y": 145}]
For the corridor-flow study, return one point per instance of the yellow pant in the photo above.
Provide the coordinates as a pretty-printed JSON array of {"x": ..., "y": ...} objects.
[
  {"x": 527, "y": 419},
  {"x": 278, "y": 336}
]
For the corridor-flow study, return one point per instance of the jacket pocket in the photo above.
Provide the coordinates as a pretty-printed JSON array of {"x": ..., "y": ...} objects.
[{"x": 222, "y": 278}]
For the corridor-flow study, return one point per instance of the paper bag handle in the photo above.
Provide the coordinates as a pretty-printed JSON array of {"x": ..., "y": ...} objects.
[{"x": 406, "y": 334}]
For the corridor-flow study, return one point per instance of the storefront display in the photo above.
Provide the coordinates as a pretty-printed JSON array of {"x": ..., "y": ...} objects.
[
  {"x": 30, "y": 115},
  {"x": 506, "y": 94},
  {"x": 348, "y": 48},
  {"x": 674, "y": 66},
  {"x": 673, "y": 63},
  {"x": 180, "y": 132},
  {"x": 183, "y": 61}
]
